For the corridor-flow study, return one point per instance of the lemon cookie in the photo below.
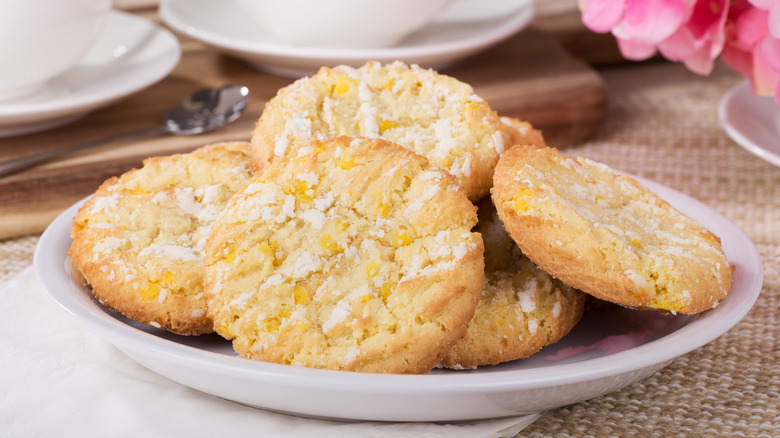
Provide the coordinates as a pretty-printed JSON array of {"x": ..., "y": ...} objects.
[
  {"x": 522, "y": 132},
  {"x": 140, "y": 240},
  {"x": 607, "y": 235},
  {"x": 522, "y": 308},
  {"x": 351, "y": 254},
  {"x": 432, "y": 114}
]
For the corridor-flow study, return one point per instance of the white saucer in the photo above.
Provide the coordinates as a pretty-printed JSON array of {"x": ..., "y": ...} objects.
[
  {"x": 130, "y": 54},
  {"x": 604, "y": 352},
  {"x": 222, "y": 24},
  {"x": 752, "y": 121}
]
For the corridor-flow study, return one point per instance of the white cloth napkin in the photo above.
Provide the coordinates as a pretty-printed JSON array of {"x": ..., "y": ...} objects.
[{"x": 56, "y": 379}]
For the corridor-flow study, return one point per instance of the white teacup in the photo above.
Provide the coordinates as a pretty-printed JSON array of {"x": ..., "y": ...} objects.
[
  {"x": 40, "y": 39},
  {"x": 342, "y": 23}
]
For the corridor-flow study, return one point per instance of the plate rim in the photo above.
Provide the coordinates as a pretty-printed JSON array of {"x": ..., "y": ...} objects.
[{"x": 632, "y": 360}]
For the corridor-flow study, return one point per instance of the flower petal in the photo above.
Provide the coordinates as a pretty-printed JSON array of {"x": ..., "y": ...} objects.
[
  {"x": 770, "y": 51},
  {"x": 774, "y": 20},
  {"x": 700, "y": 40},
  {"x": 634, "y": 50},
  {"x": 773, "y": 6},
  {"x": 602, "y": 15},
  {"x": 762, "y": 4},
  {"x": 701, "y": 62},
  {"x": 751, "y": 27},
  {"x": 707, "y": 14},
  {"x": 651, "y": 21},
  {"x": 679, "y": 46},
  {"x": 765, "y": 78}
]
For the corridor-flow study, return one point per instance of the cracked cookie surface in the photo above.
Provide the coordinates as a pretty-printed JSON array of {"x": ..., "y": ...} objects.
[
  {"x": 349, "y": 254},
  {"x": 521, "y": 132},
  {"x": 432, "y": 114},
  {"x": 140, "y": 240},
  {"x": 522, "y": 308},
  {"x": 606, "y": 234}
]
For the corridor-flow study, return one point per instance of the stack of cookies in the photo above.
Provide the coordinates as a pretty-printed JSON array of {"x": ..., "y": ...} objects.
[{"x": 345, "y": 234}]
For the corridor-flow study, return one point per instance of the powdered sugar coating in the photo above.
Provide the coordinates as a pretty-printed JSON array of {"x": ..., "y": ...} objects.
[
  {"x": 140, "y": 241},
  {"x": 347, "y": 277},
  {"x": 606, "y": 234},
  {"x": 431, "y": 114},
  {"x": 522, "y": 308}
]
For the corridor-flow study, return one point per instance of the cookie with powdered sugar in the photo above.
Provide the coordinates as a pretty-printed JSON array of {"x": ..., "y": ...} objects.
[
  {"x": 140, "y": 240},
  {"x": 522, "y": 308},
  {"x": 429, "y": 113},
  {"x": 349, "y": 254},
  {"x": 522, "y": 132},
  {"x": 606, "y": 234}
]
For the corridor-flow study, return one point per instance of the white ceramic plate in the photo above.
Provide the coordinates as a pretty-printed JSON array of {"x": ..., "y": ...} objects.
[
  {"x": 222, "y": 24},
  {"x": 130, "y": 54},
  {"x": 605, "y": 351},
  {"x": 752, "y": 121}
]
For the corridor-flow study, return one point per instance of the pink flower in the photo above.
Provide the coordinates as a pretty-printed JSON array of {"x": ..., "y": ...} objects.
[
  {"x": 745, "y": 33},
  {"x": 699, "y": 41},
  {"x": 638, "y": 25},
  {"x": 751, "y": 48}
]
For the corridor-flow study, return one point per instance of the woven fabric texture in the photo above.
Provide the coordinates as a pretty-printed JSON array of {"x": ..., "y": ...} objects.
[{"x": 662, "y": 124}]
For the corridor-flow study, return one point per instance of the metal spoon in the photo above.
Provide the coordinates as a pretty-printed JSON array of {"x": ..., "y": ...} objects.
[{"x": 201, "y": 111}]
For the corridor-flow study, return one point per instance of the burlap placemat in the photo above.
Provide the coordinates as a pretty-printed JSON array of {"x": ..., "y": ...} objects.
[
  {"x": 662, "y": 124},
  {"x": 15, "y": 255}
]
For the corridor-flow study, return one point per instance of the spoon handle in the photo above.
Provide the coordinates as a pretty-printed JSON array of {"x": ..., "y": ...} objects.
[{"x": 14, "y": 165}]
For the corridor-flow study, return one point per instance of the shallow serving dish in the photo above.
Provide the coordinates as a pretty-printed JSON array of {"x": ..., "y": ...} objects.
[{"x": 606, "y": 350}]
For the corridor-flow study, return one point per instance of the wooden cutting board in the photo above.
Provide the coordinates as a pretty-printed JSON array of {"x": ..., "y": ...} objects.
[{"x": 528, "y": 76}]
